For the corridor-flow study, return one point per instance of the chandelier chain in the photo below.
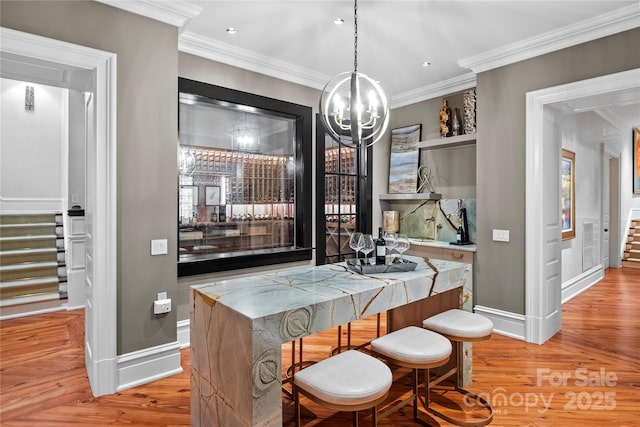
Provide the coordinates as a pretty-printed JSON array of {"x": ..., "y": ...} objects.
[{"x": 355, "y": 35}]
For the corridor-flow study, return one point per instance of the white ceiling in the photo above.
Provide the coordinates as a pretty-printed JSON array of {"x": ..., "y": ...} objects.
[{"x": 298, "y": 41}]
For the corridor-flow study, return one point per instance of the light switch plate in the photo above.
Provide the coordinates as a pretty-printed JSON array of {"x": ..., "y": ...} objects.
[
  {"x": 500, "y": 235},
  {"x": 159, "y": 247}
]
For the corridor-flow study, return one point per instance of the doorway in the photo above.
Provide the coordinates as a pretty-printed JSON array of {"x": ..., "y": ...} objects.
[
  {"x": 100, "y": 209},
  {"x": 543, "y": 305}
]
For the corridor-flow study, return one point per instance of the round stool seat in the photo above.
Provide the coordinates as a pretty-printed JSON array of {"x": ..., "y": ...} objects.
[
  {"x": 414, "y": 347},
  {"x": 460, "y": 325},
  {"x": 350, "y": 378}
]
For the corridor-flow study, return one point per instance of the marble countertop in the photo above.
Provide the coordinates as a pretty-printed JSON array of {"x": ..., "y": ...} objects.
[
  {"x": 441, "y": 244},
  {"x": 267, "y": 294}
]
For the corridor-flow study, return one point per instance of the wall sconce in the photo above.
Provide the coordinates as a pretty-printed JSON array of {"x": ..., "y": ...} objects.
[{"x": 29, "y": 100}]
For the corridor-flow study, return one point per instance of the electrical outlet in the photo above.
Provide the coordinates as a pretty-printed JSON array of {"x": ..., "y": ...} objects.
[
  {"x": 159, "y": 247},
  {"x": 500, "y": 235},
  {"x": 162, "y": 306}
]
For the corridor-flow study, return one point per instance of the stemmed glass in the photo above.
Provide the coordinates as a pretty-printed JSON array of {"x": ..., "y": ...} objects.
[
  {"x": 391, "y": 241},
  {"x": 402, "y": 244},
  {"x": 356, "y": 242},
  {"x": 367, "y": 245}
]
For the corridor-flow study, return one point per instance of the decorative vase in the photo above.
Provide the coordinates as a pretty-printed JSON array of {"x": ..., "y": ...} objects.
[
  {"x": 455, "y": 122},
  {"x": 469, "y": 111},
  {"x": 391, "y": 221}
]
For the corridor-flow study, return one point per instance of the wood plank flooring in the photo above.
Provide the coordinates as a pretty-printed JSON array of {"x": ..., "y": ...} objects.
[{"x": 586, "y": 375}]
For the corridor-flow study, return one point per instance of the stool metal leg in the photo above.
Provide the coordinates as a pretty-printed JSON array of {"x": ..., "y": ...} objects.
[{"x": 456, "y": 372}]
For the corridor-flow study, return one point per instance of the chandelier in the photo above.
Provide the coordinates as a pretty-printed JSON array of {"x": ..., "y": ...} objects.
[
  {"x": 186, "y": 161},
  {"x": 353, "y": 107},
  {"x": 246, "y": 139}
]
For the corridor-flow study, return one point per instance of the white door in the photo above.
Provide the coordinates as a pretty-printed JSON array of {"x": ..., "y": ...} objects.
[
  {"x": 552, "y": 232},
  {"x": 90, "y": 209},
  {"x": 605, "y": 210},
  {"x": 612, "y": 231}
]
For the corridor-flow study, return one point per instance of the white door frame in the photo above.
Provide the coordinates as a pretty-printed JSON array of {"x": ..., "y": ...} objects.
[
  {"x": 537, "y": 328},
  {"x": 100, "y": 347}
]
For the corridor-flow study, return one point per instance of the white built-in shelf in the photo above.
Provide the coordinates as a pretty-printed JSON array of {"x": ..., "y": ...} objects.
[
  {"x": 452, "y": 141},
  {"x": 410, "y": 196}
]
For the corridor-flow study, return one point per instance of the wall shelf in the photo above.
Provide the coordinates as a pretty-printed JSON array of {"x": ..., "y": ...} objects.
[
  {"x": 411, "y": 196},
  {"x": 452, "y": 141}
]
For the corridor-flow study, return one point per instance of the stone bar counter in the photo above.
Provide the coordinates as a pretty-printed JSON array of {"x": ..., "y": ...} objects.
[{"x": 238, "y": 327}]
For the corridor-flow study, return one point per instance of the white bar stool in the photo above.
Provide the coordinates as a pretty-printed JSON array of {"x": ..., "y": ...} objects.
[
  {"x": 349, "y": 381},
  {"x": 415, "y": 348},
  {"x": 461, "y": 326}
]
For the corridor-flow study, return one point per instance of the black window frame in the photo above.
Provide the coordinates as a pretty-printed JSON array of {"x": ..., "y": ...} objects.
[
  {"x": 302, "y": 249},
  {"x": 363, "y": 200}
]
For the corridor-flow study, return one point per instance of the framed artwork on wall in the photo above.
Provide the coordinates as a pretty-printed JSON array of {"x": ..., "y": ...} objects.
[
  {"x": 404, "y": 159},
  {"x": 568, "y": 194},
  {"x": 212, "y": 195},
  {"x": 636, "y": 161}
]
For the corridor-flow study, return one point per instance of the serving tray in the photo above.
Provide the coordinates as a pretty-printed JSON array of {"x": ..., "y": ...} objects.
[{"x": 398, "y": 265}]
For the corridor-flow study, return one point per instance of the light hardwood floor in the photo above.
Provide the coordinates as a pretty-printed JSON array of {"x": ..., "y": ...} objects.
[{"x": 586, "y": 375}]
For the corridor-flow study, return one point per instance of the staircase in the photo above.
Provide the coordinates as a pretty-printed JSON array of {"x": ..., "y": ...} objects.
[
  {"x": 32, "y": 262},
  {"x": 631, "y": 257}
]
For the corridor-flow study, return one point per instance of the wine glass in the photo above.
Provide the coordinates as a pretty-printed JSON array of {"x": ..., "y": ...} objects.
[
  {"x": 391, "y": 241},
  {"x": 367, "y": 245},
  {"x": 355, "y": 242},
  {"x": 402, "y": 244}
]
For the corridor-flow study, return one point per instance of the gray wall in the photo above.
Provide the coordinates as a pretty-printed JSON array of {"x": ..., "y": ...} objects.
[
  {"x": 147, "y": 60},
  {"x": 501, "y": 154}
]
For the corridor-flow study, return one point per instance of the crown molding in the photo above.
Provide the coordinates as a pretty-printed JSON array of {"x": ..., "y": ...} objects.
[
  {"x": 435, "y": 90},
  {"x": 242, "y": 58},
  {"x": 619, "y": 20},
  {"x": 176, "y": 13}
]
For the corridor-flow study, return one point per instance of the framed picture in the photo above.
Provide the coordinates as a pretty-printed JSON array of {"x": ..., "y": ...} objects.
[
  {"x": 404, "y": 159},
  {"x": 568, "y": 193},
  {"x": 636, "y": 161},
  {"x": 191, "y": 191},
  {"x": 212, "y": 195}
]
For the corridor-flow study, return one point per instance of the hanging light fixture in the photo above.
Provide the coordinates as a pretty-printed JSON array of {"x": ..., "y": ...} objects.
[
  {"x": 245, "y": 137},
  {"x": 186, "y": 161},
  {"x": 353, "y": 107}
]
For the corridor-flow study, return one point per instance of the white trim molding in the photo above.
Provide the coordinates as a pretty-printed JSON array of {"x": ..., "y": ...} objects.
[
  {"x": 176, "y": 13},
  {"x": 184, "y": 333},
  {"x": 582, "y": 282},
  {"x": 504, "y": 322},
  {"x": 619, "y": 20},
  {"x": 445, "y": 87},
  {"x": 99, "y": 360},
  {"x": 535, "y": 294},
  {"x": 147, "y": 365},
  {"x": 248, "y": 60}
]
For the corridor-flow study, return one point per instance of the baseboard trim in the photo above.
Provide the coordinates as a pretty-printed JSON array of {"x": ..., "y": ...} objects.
[
  {"x": 504, "y": 322},
  {"x": 147, "y": 365},
  {"x": 184, "y": 333},
  {"x": 581, "y": 283}
]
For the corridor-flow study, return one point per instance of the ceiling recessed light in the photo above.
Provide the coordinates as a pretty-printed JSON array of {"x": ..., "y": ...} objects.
[
  {"x": 426, "y": 63},
  {"x": 231, "y": 30},
  {"x": 338, "y": 21}
]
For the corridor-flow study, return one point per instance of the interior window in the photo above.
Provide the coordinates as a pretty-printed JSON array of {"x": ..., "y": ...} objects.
[{"x": 241, "y": 178}]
